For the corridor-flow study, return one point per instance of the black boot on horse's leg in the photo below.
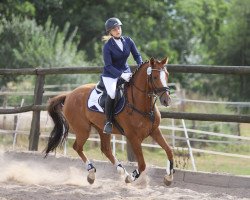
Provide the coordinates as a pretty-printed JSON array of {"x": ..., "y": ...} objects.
[{"x": 109, "y": 104}]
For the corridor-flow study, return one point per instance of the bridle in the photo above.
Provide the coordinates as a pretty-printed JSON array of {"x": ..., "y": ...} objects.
[
  {"x": 153, "y": 94},
  {"x": 155, "y": 89}
]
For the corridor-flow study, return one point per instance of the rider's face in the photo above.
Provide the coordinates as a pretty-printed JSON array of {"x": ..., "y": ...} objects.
[{"x": 116, "y": 32}]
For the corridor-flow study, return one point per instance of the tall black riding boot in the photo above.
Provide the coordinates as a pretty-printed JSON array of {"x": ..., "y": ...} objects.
[{"x": 109, "y": 104}]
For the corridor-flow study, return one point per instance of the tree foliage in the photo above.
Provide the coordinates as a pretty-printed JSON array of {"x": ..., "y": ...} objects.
[
  {"x": 24, "y": 44},
  {"x": 231, "y": 47}
]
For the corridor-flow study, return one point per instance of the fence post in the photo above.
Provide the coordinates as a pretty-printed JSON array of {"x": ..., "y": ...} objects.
[
  {"x": 16, "y": 124},
  {"x": 123, "y": 144},
  {"x": 5, "y": 97},
  {"x": 35, "y": 124},
  {"x": 189, "y": 146},
  {"x": 238, "y": 124},
  {"x": 173, "y": 134},
  {"x": 114, "y": 144},
  {"x": 130, "y": 153}
]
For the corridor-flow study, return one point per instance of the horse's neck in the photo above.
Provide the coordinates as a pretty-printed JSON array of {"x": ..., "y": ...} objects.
[{"x": 138, "y": 92}]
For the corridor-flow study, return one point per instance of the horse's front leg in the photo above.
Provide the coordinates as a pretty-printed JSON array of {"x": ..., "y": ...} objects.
[
  {"x": 137, "y": 149},
  {"x": 158, "y": 137}
]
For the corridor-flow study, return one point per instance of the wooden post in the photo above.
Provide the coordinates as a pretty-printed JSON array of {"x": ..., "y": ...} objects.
[
  {"x": 130, "y": 153},
  {"x": 35, "y": 124},
  {"x": 4, "y": 106},
  {"x": 15, "y": 125},
  {"x": 238, "y": 124}
]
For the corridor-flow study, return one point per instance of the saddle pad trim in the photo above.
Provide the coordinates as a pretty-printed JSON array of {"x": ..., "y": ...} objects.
[{"x": 93, "y": 102}]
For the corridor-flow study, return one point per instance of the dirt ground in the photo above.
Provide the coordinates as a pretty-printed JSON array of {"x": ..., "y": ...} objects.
[{"x": 29, "y": 176}]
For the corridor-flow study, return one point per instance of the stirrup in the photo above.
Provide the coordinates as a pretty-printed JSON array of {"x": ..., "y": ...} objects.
[{"x": 108, "y": 128}]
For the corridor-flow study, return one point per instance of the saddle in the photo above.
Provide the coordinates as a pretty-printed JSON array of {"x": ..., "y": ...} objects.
[{"x": 98, "y": 95}]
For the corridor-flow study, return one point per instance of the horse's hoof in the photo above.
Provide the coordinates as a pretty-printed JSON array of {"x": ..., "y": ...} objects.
[
  {"x": 128, "y": 179},
  {"x": 91, "y": 176},
  {"x": 168, "y": 179},
  {"x": 135, "y": 175},
  {"x": 120, "y": 169},
  {"x": 91, "y": 181}
]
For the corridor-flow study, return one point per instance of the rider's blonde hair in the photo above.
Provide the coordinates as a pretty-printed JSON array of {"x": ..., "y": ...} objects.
[{"x": 105, "y": 38}]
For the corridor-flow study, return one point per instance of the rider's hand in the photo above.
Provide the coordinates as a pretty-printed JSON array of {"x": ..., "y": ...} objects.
[{"x": 126, "y": 76}]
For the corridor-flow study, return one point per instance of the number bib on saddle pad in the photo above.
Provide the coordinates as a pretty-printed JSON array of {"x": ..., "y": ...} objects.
[{"x": 96, "y": 101}]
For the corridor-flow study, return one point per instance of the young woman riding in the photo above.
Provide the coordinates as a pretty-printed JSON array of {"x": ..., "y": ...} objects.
[{"x": 116, "y": 51}]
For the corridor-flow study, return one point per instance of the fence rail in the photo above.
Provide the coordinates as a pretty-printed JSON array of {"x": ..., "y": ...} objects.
[{"x": 207, "y": 117}]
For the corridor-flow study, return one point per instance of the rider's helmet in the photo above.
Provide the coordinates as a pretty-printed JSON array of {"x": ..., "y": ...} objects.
[{"x": 112, "y": 23}]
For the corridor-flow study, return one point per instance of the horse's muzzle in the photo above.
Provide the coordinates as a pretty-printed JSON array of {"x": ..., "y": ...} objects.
[{"x": 165, "y": 99}]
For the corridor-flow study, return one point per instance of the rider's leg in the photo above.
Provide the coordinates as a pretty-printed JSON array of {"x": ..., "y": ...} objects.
[
  {"x": 109, "y": 104},
  {"x": 110, "y": 85}
]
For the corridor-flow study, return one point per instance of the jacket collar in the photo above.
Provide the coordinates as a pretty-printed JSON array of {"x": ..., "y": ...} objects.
[{"x": 113, "y": 40}]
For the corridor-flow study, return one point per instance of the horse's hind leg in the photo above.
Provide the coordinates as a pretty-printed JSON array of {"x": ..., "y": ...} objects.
[
  {"x": 106, "y": 149},
  {"x": 158, "y": 137},
  {"x": 82, "y": 134}
]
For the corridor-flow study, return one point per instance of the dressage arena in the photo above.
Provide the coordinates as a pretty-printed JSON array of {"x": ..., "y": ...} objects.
[{"x": 26, "y": 175}]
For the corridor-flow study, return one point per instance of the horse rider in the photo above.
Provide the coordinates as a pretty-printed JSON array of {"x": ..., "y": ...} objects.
[{"x": 116, "y": 51}]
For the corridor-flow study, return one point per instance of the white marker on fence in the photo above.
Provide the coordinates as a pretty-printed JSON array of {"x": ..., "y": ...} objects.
[
  {"x": 17, "y": 124},
  {"x": 189, "y": 146},
  {"x": 173, "y": 134},
  {"x": 114, "y": 144}
]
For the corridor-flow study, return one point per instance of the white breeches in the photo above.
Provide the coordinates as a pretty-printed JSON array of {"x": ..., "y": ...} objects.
[{"x": 110, "y": 85}]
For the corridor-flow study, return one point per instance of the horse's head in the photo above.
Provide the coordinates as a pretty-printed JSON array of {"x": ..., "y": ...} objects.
[
  {"x": 151, "y": 78},
  {"x": 158, "y": 78}
]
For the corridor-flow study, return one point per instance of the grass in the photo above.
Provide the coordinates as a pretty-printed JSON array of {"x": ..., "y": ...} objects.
[
  {"x": 245, "y": 129},
  {"x": 222, "y": 164}
]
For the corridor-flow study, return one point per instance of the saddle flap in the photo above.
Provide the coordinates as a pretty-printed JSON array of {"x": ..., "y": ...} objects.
[{"x": 97, "y": 97}]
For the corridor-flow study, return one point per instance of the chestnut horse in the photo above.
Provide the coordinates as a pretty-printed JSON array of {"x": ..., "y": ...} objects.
[{"x": 139, "y": 118}]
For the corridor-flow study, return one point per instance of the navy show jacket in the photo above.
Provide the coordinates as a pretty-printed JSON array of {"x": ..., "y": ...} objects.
[{"x": 115, "y": 60}]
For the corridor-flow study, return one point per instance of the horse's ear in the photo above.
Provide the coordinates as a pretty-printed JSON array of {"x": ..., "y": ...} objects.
[
  {"x": 152, "y": 60},
  {"x": 164, "y": 61}
]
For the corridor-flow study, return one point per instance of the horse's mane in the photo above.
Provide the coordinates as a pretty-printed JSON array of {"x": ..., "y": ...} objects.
[{"x": 138, "y": 68}]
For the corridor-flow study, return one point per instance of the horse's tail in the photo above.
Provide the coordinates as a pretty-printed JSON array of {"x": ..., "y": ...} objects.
[{"x": 61, "y": 126}]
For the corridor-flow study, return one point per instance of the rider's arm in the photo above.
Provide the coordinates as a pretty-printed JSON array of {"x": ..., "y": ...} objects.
[{"x": 136, "y": 55}]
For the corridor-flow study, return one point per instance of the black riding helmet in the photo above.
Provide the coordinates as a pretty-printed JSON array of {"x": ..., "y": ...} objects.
[{"x": 112, "y": 23}]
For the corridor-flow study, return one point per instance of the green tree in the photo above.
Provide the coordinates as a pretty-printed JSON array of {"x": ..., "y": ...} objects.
[
  {"x": 195, "y": 28},
  {"x": 234, "y": 49},
  {"x": 199, "y": 24},
  {"x": 24, "y": 44},
  {"x": 145, "y": 21},
  {"x": 16, "y": 7}
]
